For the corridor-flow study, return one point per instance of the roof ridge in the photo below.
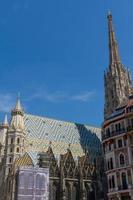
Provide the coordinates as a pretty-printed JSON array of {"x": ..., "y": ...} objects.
[{"x": 59, "y": 120}]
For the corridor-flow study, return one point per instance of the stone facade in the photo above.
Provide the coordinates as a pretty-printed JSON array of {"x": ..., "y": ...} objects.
[{"x": 117, "y": 139}]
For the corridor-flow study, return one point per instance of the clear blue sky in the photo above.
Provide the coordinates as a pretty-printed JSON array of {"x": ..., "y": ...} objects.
[{"x": 55, "y": 52}]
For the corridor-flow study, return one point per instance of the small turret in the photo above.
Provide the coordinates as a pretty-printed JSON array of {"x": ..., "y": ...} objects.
[{"x": 17, "y": 121}]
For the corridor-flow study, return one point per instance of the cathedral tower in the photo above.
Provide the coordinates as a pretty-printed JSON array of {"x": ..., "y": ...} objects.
[
  {"x": 117, "y": 80},
  {"x": 15, "y": 137}
]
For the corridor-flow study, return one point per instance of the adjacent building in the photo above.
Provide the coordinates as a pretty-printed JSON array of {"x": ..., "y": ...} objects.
[{"x": 117, "y": 132}]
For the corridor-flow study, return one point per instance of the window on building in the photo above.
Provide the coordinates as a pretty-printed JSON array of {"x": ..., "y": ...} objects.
[
  {"x": 12, "y": 140},
  {"x": 11, "y": 150},
  {"x": 112, "y": 128},
  {"x": 132, "y": 122},
  {"x": 124, "y": 180},
  {"x": 113, "y": 182},
  {"x": 122, "y": 159},
  {"x": 18, "y": 140},
  {"x": 108, "y": 132},
  {"x": 10, "y": 160},
  {"x": 116, "y": 127},
  {"x": 110, "y": 185},
  {"x": 109, "y": 147},
  {"x": 120, "y": 143},
  {"x": 17, "y": 150},
  {"x": 111, "y": 163},
  {"x": 123, "y": 125},
  {"x": 125, "y": 141},
  {"x": 108, "y": 165},
  {"x": 114, "y": 144}
]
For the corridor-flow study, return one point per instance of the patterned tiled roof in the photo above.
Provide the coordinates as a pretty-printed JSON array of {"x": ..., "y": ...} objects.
[
  {"x": 42, "y": 132},
  {"x": 24, "y": 160}
]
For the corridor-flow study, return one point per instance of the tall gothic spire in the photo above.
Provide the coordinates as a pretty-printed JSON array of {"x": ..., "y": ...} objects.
[
  {"x": 117, "y": 81},
  {"x": 113, "y": 47}
]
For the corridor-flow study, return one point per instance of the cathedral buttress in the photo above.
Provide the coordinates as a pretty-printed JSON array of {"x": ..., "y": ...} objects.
[{"x": 117, "y": 79}]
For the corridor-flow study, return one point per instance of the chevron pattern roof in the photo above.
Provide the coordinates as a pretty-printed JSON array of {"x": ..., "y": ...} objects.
[{"x": 42, "y": 132}]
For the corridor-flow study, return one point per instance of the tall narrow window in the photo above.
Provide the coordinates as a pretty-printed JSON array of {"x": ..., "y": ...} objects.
[
  {"x": 124, "y": 180},
  {"x": 111, "y": 163},
  {"x": 122, "y": 160},
  {"x": 10, "y": 160},
  {"x": 113, "y": 182},
  {"x": 18, "y": 140},
  {"x": 120, "y": 143},
  {"x": 17, "y": 150},
  {"x": 12, "y": 140},
  {"x": 110, "y": 185}
]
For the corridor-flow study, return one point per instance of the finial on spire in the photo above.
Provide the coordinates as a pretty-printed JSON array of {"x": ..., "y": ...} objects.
[
  {"x": 18, "y": 95},
  {"x": 109, "y": 13},
  {"x": 18, "y": 103}
]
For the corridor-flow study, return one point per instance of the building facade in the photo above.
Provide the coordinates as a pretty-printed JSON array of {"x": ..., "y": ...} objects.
[
  {"x": 118, "y": 148},
  {"x": 117, "y": 129}
]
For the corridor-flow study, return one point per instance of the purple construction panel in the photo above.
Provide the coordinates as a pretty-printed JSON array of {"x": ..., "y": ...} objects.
[{"x": 33, "y": 183}]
